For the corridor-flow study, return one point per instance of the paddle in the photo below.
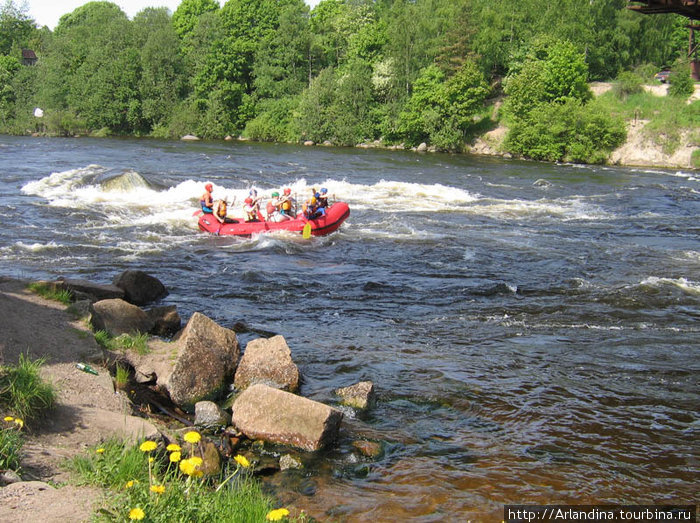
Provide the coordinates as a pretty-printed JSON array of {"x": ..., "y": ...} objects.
[{"x": 306, "y": 231}]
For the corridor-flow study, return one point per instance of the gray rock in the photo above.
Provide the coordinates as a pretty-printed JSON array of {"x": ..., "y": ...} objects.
[
  {"x": 119, "y": 317},
  {"x": 140, "y": 288},
  {"x": 7, "y": 477},
  {"x": 360, "y": 396},
  {"x": 166, "y": 320},
  {"x": 268, "y": 361},
  {"x": 190, "y": 138},
  {"x": 92, "y": 291},
  {"x": 208, "y": 414},
  {"x": 269, "y": 414},
  {"x": 290, "y": 462},
  {"x": 204, "y": 362},
  {"x": 423, "y": 147}
]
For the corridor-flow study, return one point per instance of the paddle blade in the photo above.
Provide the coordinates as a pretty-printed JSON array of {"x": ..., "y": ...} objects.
[
  {"x": 197, "y": 213},
  {"x": 306, "y": 232}
]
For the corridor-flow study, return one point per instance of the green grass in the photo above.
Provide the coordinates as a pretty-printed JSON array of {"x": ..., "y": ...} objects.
[
  {"x": 50, "y": 292},
  {"x": 24, "y": 397},
  {"x": 23, "y": 393},
  {"x": 163, "y": 491},
  {"x": 123, "y": 342},
  {"x": 121, "y": 376}
]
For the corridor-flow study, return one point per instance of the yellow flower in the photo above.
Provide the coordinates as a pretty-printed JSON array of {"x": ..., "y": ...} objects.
[
  {"x": 175, "y": 457},
  {"x": 136, "y": 513},
  {"x": 148, "y": 446},
  {"x": 196, "y": 461},
  {"x": 8, "y": 418},
  {"x": 101, "y": 450},
  {"x": 19, "y": 423},
  {"x": 131, "y": 483},
  {"x": 242, "y": 461},
  {"x": 158, "y": 489},
  {"x": 187, "y": 467},
  {"x": 173, "y": 447},
  {"x": 193, "y": 437},
  {"x": 151, "y": 459},
  {"x": 277, "y": 514}
]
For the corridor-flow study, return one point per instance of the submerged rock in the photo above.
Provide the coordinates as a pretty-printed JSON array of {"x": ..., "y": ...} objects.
[
  {"x": 359, "y": 396},
  {"x": 125, "y": 182}
]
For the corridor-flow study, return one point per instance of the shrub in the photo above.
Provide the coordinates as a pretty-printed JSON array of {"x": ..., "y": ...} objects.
[
  {"x": 137, "y": 342},
  {"x": 570, "y": 131},
  {"x": 628, "y": 83},
  {"x": 680, "y": 82}
]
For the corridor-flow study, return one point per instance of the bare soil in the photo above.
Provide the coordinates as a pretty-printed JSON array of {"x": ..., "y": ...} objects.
[{"x": 89, "y": 409}]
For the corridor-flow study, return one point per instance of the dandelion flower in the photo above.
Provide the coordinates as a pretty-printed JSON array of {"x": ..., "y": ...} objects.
[
  {"x": 175, "y": 457},
  {"x": 131, "y": 483},
  {"x": 158, "y": 489},
  {"x": 136, "y": 513},
  {"x": 148, "y": 446},
  {"x": 8, "y": 418},
  {"x": 101, "y": 450},
  {"x": 277, "y": 514},
  {"x": 196, "y": 461},
  {"x": 19, "y": 423},
  {"x": 193, "y": 437},
  {"x": 173, "y": 447},
  {"x": 187, "y": 467},
  {"x": 242, "y": 461}
]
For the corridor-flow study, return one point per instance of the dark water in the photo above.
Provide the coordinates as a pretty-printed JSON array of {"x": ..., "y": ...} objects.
[{"x": 532, "y": 330}]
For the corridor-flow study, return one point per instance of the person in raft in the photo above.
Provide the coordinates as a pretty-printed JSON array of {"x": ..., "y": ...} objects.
[
  {"x": 273, "y": 209},
  {"x": 322, "y": 198},
  {"x": 207, "y": 201},
  {"x": 221, "y": 210},
  {"x": 310, "y": 208},
  {"x": 287, "y": 204},
  {"x": 250, "y": 210}
]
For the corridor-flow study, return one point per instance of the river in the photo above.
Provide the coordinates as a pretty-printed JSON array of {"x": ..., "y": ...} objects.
[{"x": 532, "y": 330}]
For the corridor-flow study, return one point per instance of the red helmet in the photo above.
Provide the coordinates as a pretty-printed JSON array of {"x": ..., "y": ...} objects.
[
  {"x": 209, "y": 187},
  {"x": 249, "y": 201},
  {"x": 287, "y": 191}
]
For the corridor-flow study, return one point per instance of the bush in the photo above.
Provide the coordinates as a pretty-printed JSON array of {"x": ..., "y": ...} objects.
[
  {"x": 570, "y": 131},
  {"x": 680, "y": 82},
  {"x": 274, "y": 122},
  {"x": 627, "y": 84}
]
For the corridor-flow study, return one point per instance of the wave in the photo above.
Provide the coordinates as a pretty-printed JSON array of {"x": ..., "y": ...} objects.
[
  {"x": 683, "y": 284},
  {"x": 149, "y": 205}
]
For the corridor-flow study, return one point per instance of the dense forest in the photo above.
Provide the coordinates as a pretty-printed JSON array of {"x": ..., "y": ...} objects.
[{"x": 346, "y": 71}]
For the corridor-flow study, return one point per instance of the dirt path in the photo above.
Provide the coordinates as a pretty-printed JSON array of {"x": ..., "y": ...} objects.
[{"x": 88, "y": 411}]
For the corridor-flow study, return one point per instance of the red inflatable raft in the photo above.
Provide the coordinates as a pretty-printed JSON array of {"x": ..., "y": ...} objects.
[{"x": 333, "y": 219}]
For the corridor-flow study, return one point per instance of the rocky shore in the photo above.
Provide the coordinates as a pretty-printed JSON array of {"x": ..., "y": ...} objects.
[{"x": 185, "y": 378}]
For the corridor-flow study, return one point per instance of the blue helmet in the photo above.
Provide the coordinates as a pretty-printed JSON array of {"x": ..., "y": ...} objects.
[{"x": 324, "y": 190}]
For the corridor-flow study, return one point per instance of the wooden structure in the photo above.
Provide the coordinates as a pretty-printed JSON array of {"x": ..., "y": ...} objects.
[
  {"x": 28, "y": 57},
  {"x": 687, "y": 8}
]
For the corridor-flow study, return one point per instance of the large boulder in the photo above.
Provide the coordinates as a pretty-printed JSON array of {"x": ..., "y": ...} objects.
[
  {"x": 140, "y": 288},
  {"x": 200, "y": 364},
  {"x": 263, "y": 412},
  {"x": 125, "y": 182},
  {"x": 119, "y": 317},
  {"x": 267, "y": 361}
]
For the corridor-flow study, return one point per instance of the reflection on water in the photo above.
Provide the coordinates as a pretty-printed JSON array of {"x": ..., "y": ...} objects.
[{"x": 532, "y": 330}]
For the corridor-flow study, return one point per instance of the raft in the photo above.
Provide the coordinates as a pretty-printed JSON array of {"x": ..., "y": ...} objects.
[{"x": 335, "y": 215}]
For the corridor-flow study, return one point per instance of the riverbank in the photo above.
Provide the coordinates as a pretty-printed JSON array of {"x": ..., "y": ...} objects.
[
  {"x": 639, "y": 150},
  {"x": 88, "y": 408}
]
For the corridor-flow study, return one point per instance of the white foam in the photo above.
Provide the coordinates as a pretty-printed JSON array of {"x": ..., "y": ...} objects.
[{"x": 684, "y": 284}]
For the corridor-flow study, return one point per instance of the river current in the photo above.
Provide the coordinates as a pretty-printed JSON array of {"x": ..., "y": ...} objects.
[{"x": 532, "y": 330}]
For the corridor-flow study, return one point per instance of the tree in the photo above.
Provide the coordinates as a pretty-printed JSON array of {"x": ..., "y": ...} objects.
[
  {"x": 9, "y": 66},
  {"x": 553, "y": 70},
  {"x": 16, "y": 28},
  {"x": 187, "y": 15}
]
